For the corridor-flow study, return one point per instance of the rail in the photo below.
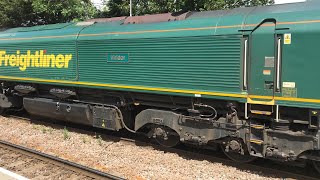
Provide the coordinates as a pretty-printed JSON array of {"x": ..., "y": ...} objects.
[{"x": 93, "y": 173}]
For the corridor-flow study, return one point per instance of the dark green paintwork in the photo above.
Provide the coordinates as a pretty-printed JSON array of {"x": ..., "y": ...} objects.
[
  {"x": 260, "y": 79},
  {"x": 176, "y": 63},
  {"x": 118, "y": 57}
]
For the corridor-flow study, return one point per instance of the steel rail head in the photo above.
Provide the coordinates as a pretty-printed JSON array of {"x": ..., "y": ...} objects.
[{"x": 66, "y": 162}]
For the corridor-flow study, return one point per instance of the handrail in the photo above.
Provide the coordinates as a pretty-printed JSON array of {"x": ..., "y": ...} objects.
[
  {"x": 245, "y": 64},
  {"x": 278, "y": 65}
]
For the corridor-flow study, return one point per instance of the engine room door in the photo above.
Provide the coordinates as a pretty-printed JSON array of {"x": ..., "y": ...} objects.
[{"x": 262, "y": 62}]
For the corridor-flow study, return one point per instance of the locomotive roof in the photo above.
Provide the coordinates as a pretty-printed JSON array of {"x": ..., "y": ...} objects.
[{"x": 234, "y": 17}]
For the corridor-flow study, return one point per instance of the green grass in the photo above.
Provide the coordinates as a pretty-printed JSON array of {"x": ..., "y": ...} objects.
[{"x": 66, "y": 134}]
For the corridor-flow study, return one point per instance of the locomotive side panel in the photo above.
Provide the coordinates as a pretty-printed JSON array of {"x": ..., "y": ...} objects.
[
  {"x": 203, "y": 63},
  {"x": 50, "y": 60},
  {"x": 298, "y": 28},
  {"x": 300, "y": 67},
  {"x": 41, "y": 52}
]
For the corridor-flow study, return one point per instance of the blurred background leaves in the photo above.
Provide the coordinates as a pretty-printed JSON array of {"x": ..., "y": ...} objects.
[{"x": 14, "y": 13}]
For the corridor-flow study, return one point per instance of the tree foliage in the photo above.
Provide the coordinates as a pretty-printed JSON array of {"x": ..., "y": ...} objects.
[
  {"x": 34, "y": 12},
  {"x": 140, "y": 7},
  {"x": 54, "y": 11},
  {"x": 15, "y": 13}
]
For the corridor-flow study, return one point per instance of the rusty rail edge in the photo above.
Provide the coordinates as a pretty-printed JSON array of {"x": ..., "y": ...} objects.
[{"x": 62, "y": 161}]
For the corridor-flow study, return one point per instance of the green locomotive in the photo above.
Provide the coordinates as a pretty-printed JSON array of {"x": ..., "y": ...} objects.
[{"x": 244, "y": 79}]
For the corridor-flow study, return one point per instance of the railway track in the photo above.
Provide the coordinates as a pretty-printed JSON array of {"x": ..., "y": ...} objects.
[
  {"x": 266, "y": 167},
  {"x": 36, "y": 165}
]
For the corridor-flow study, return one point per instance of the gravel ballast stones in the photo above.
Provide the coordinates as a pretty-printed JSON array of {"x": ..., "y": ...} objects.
[{"x": 118, "y": 158}]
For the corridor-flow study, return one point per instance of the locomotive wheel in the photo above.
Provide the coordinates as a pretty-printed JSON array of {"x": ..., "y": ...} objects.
[
  {"x": 316, "y": 165},
  {"x": 239, "y": 158},
  {"x": 236, "y": 156},
  {"x": 166, "y": 137}
]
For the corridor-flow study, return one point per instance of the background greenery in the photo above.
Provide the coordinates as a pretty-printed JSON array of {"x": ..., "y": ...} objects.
[{"x": 15, "y": 13}]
